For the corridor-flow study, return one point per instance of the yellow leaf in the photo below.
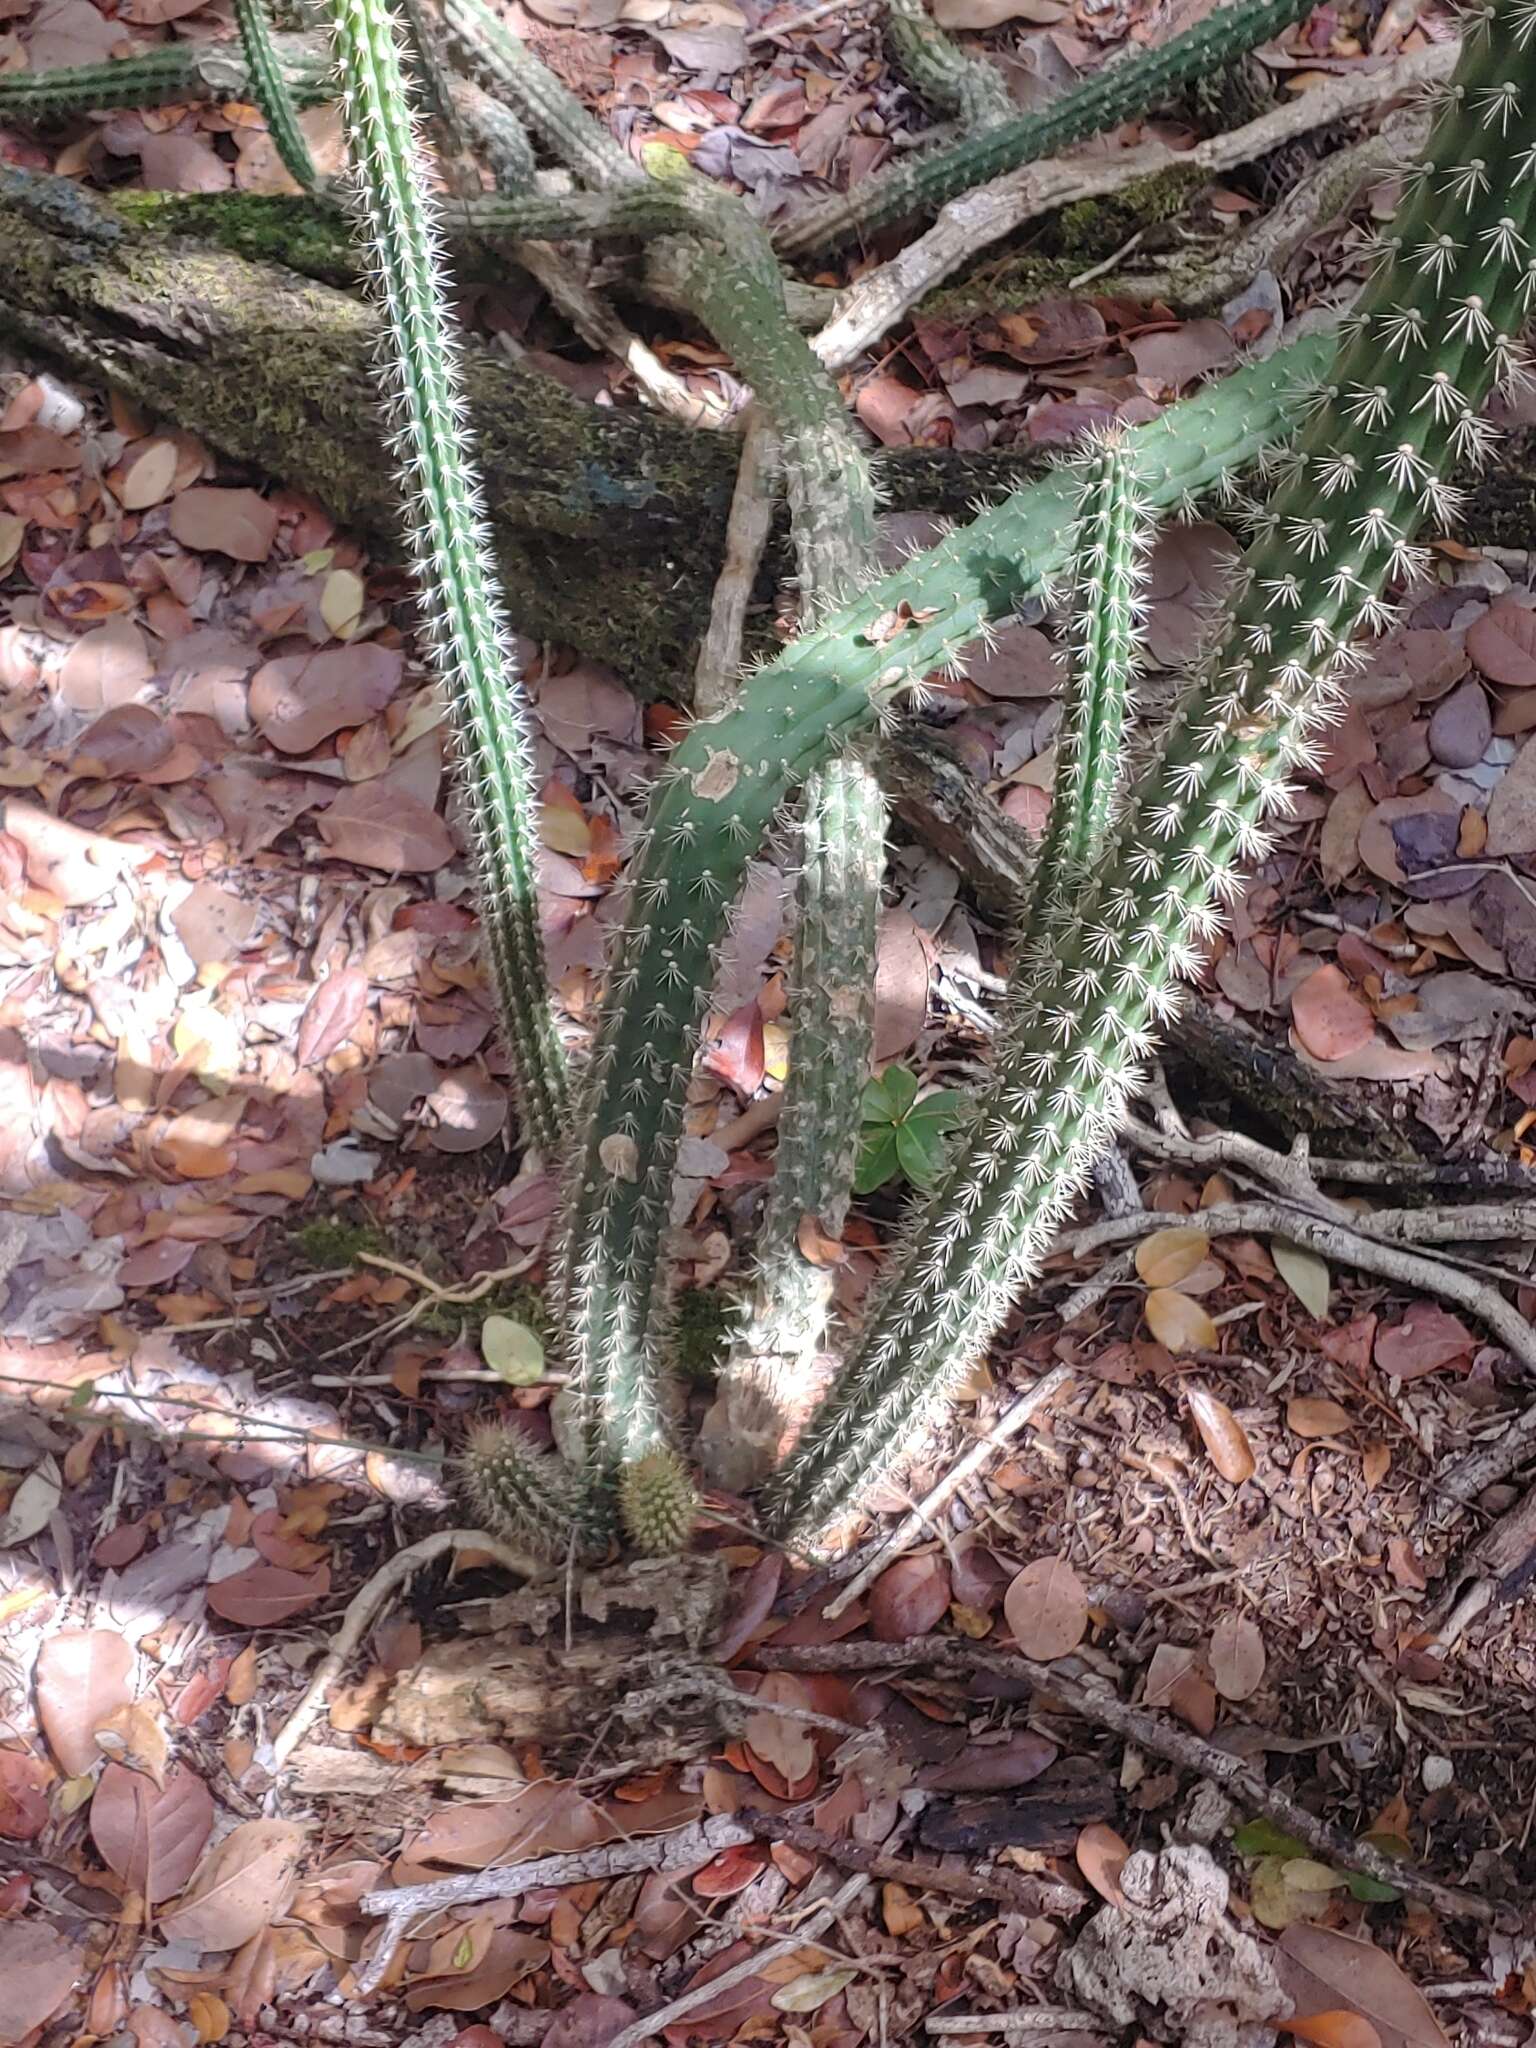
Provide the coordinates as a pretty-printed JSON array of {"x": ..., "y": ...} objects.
[
  {"x": 1222, "y": 1434},
  {"x": 132, "y": 1736},
  {"x": 12, "y": 533},
  {"x": 1178, "y": 1322},
  {"x": 1169, "y": 1256},
  {"x": 209, "y": 2014},
  {"x": 341, "y": 602},
  {"x": 149, "y": 477}
]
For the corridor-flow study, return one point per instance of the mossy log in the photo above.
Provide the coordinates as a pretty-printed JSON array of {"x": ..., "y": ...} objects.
[{"x": 610, "y": 523}]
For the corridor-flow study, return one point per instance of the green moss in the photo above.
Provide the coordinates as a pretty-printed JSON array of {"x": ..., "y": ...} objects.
[
  {"x": 516, "y": 1299},
  {"x": 326, "y": 1242},
  {"x": 703, "y": 1322},
  {"x": 263, "y": 227}
]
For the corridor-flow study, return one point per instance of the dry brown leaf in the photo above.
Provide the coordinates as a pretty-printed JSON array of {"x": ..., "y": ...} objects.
[
  {"x": 263, "y": 1594},
  {"x": 903, "y": 967},
  {"x": 1101, "y": 1856},
  {"x": 151, "y": 1839},
  {"x": 1325, "y": 1971},
  {"x": 1338, "y": 844},
  {"x": 1329, "y": 1015},
  {"x": 238, "y": 523},
  {"x": 132, "y": 1736},
  {"x": 330, "y": 1015},
  {"x": 1179, "y": 1322},
  {"x": 1223, "y": 1435},
  {"x": 1237, "y": 1657},
  {"x": 302, "y": 699},
  {"x": 1309, "y": 1415},
  {"x": 1375, "y": 1463},
  {"x": 815, "y": 1246},
  {"x": 148, "y": 476},
  {"x": 1334, "y": 2030},
  {"x": 39, "y": 1970},
  {"x": 910, "y": 1597},
  {"x": 1047, "y": 1609},
  {"x": 378, "y": 826},
  {"x": 1175, "y": 1680},
  {"x": 240, "y": 1888},
  {"x": 778, "y": 1739},
  {"x": 83, "y": 1677},
  {"x": 1169, "y": 1256}
]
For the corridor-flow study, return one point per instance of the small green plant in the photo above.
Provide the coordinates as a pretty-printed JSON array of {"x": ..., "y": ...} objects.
[{"x": 904, "y": 1131}]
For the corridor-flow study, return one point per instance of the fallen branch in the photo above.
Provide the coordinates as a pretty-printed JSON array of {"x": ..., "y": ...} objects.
[
  {"x": 363, "y": 1609},
  {"x": 1092, "y": 1701}
]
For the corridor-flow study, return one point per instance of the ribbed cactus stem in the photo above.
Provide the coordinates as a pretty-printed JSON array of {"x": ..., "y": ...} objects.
[
  {"x": 505, "y": 65},
  {"x": 1121, "y": 92},
  {"x": 657, "y": 1502},
  {"x": 270, "y": 90},
  {"x": 497, "y": 132},
  {"x": 956, "y": 84},
  {"x": 1435, "y": 330},
  {"x": 528, "y": 1496},
  {"x": 725, "y": 782},
  {"x": 175, "y": 74},
  {"x": 446, "y": 530},
  {"x": 1106, "y": 575}
]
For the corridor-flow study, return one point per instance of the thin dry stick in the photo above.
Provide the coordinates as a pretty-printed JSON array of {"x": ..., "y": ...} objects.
[
  {"x": 976, "y": 219},
  {"x": 914, "y": 1525},
  {"x": 1016, "y": 2026},
  {"x": 717, "y": 676},
  {"x": 434, "y": 1295},
  {"x": 1491, "y": 1462},
  {"x": 364, "y": 1607},
  {"x": 1091, "y": 1701}
]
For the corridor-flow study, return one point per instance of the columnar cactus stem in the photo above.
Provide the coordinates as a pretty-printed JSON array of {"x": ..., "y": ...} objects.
[
  {"x": 1107, "y": 572},
  {"x": 445, "y": 527},
  {"x": 725, "y": 782},
  {"x": 270, "y": 90},
  {"x": 1119, "y": 93},
  {"x": 175, "y": 74},
  {"x": 505, "y": 66},
  {"x": 1436, "y": 329},
  {"x": 956, "y": 84},
  {"x": 528, "y": 1496}
]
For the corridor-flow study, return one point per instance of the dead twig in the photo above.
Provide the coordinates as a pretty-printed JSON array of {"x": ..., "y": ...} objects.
[
  {"x": 364, "y": 1607},
  {"x": 1094, "y": 1702},
  {"x": 917, "y": 1873},
  {"x": 717, "y": 676}
]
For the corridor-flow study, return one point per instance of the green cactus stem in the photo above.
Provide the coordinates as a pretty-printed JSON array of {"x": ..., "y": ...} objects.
[
  {"x": 1107, "y": 574},
  {"x": 969, "y": 87},
  {"x": 175, "y": 74},
  {"x": 658, "y": 1503},
  {"x": 724, "y": 785},
  {"x": 272, "y": 94},
  {"x": 1435, "y": 331},
  {"x": 1120, "y": 92},
  {"x": 528, "y": 1497},
  {"x": 505, "y": 66},
  {"x": 446, "y": 530}
]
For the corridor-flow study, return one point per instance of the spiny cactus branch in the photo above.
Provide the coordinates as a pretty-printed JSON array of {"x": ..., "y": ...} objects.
[
  {"x": 969, "y": 87},
  {"x": 175, "y": 74},
  {"x": 528, "y": 1497},
  {"x": 1121, "y": 92},
  {"x": 505, "y": 66},
  {"x": 445, "y": 526},
  {"x": 1436, "y": 329},
  {"x": 272, "y": 94}
]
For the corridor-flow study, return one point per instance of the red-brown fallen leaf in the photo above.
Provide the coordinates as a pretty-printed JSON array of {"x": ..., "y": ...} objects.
[
  {"x": 510, "y": 1955},
  {"x": 106, "y": 668},
  {"x": 151, "y": 1839},
  {"x": 1503, "y": 644},
  {"x": 378, "y": 826},
  {"x": 1237, "y": 1657},
  {"x": 1224, "y": 1437},
  {"x": 39, "y": 1970},
  {"x": 240, "y": 1888},
  {"x": 1047, "y": 1609},
  {"x": 1309, "y": 1415},
  {"x": 1325, "y": 1971},
  {"x": 214, "y": 924},
  {"x": 815, "y": 1246},
  {"x": 132, "y": 1736},
  {"x": 910, "y": 1597},
  {"x": 1512, "y": 807},
  {"x": 1169, "y": 1256},
  {"x": 301, "y": 699},
  {"x": 752, "y": 1598},
  {"x": 993, "y": 1766},
  {"x": 1428, "y": 1339},
  {"x": 24, "y": 1787},
  {"x": 1403, "y": 1561},
  {"x": 738, "y": 1054},
  {"x": 330, "y": 1015},
  {"x": 82, "y": 1676},
  {"x": 1330, "y": 1017},
  {"x": 729, "y": 1872},
  {"x": 1101, "y": 1856},
  {"x": 591, "y": 2020},
  {"x": 238, "y": 523},
  {"x": 774, "y": 1733},
  {"x": 76, "y": 866},
  {"x": 468, "y": 1109},
  {"x": 1174, "y": 357},
  {"x": 263, "y": 1594},
  {"x": 1175, "y": 1680},
  {"x": 1334, "y": 2030},
  {"x": 903, "y": 966}
]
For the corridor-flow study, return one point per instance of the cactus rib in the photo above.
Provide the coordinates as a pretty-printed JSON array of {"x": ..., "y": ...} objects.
[
  {"x": 270, "y": 90},
  {"x": 1119, "y": 93},
  {"x": 1435, "y": 331},
  {"x": 446, "y": 530}
]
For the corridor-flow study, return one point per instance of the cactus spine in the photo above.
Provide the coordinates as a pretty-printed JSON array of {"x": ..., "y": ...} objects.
[
  {"x": 527, "y": 1496},
  {"x": 269, "y": 89},
  {"x": 1119, "y": 93},
  {"x": 956, "y": 84},
  {"x": 175, "y": 74},
  {"x": 445, "y": 527},
  {"x": 1435, "y": 331}
]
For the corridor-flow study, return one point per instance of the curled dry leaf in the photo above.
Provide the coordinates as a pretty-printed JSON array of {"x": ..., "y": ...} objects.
[
  {"x": 1309, "y": 1415},
  {"x": 133, "y": 1737},
  {"x": 1169, "y": 1256},
  {"x": 1101, "y": 1856},
  {"x": 1047, "y": 1609},
  {"x": 1237, "y": 1657},
  {"x": 83, "y": 1677},
  {"x": 1179, "y": 1322},
  {"x": 1223, "y": 1435},
  {"x": 240, "y": 1888}
]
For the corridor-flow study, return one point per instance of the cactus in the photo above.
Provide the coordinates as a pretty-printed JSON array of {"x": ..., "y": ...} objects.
[
  {"x": 270, "y": 90},
  {"x": 657, "y": 1502},
  {"x": 529, "y": 1497},
  {"x": 175, "y": 74},
  {"x": 471, "y": 645},
  {"x": 1119, "y": 93},
  {"x": 967, "y": 86},
  {"x": 505, "y": 66},
  {"x": 1434, "y": 332}
]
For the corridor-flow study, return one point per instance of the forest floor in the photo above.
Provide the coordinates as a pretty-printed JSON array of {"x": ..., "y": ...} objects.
[{"x": 252, "y": 1147}]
